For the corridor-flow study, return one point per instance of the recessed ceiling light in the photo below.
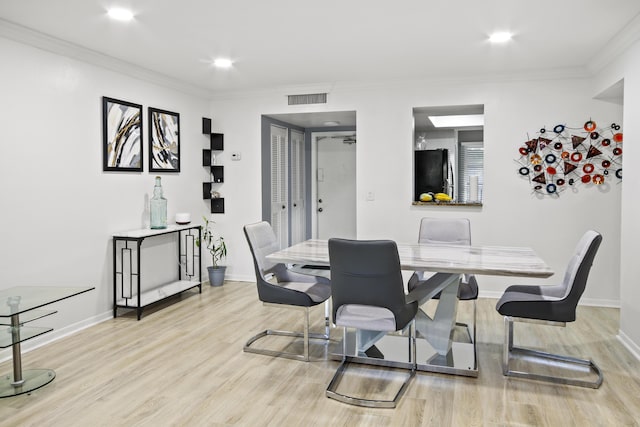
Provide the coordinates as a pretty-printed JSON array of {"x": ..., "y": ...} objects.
[
  {"x": 120, "y": 14},
  {"x": 331, "y": 123},
  {"x": 500, "y": 37},
  {"x": 457, "y": 121},
  {"x": 222, "y": 63}
]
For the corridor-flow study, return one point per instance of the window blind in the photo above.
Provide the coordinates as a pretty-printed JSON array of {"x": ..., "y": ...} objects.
[{"x": 470, "y": 163}]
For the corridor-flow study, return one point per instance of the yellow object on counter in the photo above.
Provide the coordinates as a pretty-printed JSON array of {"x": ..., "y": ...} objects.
[
  {"x": 443, "y": 197},
  {"x": 426, "y": 197}
]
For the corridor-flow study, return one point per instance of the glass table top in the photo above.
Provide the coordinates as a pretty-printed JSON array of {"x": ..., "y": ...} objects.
[{"x": 21, "y": 299}]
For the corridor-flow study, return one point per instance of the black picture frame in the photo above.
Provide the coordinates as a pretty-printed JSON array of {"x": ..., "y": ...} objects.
[
  {"x": 121, "y": 135},
  {"x": 164, "y": 140}
]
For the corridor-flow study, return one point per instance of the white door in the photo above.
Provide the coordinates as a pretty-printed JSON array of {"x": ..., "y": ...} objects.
[
  {"x": 279, "y": 186},
  {"x": 336, "y": 187},
  {"x": 298, "y": 222}
]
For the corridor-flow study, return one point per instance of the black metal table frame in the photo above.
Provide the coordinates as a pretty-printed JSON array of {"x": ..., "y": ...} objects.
[{"x": 189, "y": 238}]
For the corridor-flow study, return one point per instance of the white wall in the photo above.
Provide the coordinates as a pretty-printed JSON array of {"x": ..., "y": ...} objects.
[
  {"x": 627, "y": 67},
  {"x": 59, "y": 209},
  {"x": 510, "y": 215}
]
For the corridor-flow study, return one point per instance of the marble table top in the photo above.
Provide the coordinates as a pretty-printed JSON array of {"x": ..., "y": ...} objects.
[
  {"x": 487, "y": 260},
  {"x": 146, "y": 232}
]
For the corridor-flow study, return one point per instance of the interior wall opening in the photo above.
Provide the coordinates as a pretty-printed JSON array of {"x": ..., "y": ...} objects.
[{"x": 292, "y": 145}]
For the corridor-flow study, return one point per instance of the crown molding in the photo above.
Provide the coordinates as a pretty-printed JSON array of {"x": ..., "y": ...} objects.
[
  {"x": 28, "y": 36},
  {"x": 618, "y": 44}
]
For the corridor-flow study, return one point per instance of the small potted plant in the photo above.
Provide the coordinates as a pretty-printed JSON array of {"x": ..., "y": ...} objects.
[{"x": 218, "y": 250}]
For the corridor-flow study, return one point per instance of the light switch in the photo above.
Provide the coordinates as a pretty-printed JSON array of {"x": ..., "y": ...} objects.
[{"x": 235, "y": 155}]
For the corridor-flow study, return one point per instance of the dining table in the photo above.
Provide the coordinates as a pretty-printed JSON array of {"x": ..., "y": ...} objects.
[{"x": 438, "y": 347}]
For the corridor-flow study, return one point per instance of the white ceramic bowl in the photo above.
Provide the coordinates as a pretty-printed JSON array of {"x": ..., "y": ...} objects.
[{"x": 183, "y": 218}]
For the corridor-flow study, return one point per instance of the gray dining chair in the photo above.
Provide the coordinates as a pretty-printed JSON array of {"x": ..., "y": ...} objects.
[
  {"x": 279, "y": 287},
  {"x": 367, "y": 291},
  {"x": 552, "y": 305},
  {"x": 451, "y": 231}
]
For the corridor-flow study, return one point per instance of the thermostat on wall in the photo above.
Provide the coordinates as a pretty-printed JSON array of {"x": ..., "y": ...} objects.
[{"x": 236, "y": 155}]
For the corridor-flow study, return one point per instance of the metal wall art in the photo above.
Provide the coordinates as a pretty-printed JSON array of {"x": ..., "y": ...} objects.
[
  {"x": 164, "y": 141},
  {"x": 565, "y": 157},
  {"x": 122, "y": 135}
]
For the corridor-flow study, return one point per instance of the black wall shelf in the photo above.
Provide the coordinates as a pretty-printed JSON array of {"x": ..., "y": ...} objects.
[
  {"x": 216, "y": 143},
  {"x": 207, "y": 187},
  {"x": 206, "y": 126},
  {"x": 217, "y": 173},
  {"x": 217, "y": 205}
]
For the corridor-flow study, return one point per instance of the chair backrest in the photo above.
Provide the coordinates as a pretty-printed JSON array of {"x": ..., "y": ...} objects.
[
  {"x": 368, "y": 273},
  {"x": 262, "y": 242},
  {"x": 577, "y": 273},
  {"x": 453, "y": 231}
]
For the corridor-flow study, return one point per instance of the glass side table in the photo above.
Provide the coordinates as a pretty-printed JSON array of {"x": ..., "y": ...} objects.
[{"x": 18, "y": 306}]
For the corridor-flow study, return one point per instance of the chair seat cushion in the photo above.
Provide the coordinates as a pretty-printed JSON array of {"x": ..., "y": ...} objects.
[
  {"x": 318, "y": 292},
  {"x": 365, "y": 317},
  {"x": 530, "y": 305}
]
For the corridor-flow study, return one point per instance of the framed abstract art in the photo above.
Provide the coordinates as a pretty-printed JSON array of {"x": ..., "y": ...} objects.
[
  {"x": 122, "y": 135},
  {"x": 164, "y": 141}
]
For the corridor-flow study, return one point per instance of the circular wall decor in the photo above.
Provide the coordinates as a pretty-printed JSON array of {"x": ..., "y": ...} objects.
[{"x": 590, "y": 126}]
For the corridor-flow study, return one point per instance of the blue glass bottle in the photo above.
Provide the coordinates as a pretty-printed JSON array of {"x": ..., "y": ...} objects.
[{"x": 158, "y": 207}]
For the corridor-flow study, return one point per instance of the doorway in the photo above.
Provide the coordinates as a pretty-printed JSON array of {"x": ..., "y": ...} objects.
[
  {"x": 335, "y": 185},
  {"x": 297, "y": 209}
]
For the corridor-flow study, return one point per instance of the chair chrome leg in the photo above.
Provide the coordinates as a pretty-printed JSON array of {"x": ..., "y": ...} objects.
[
  {"x": 475, "y": 321},
  {"x": 509, "y": 349},
  {"x": 332, "y": 392},
  {"x": 327, "y": 319},
  {"x": 305, "y": 335},
  {"x": 507, "y": 345},
  {"x": 413, "y": 356}
]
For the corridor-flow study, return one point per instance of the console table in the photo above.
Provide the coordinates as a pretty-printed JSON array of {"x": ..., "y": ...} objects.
[
  {"x": 127, "y": 290},
  {"x": 18, "y": 306}
]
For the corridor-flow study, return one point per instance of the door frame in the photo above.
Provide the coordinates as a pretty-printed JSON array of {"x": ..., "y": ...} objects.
[
  {"x": 266, "y": 121},
  {"x": 314, "y": 178}
]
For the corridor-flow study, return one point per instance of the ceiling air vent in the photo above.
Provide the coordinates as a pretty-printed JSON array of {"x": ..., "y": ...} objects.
[{"x": 310, "y": 98}]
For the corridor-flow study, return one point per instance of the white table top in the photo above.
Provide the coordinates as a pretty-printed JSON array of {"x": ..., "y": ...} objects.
[
  {"x": 488, "y": 260},
  {"x": 146, "y": 232}
]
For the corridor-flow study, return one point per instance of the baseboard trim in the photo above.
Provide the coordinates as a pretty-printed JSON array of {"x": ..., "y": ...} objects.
[
  {"x": 240, "y": 278},
  {"x": 629, "y": 344}
]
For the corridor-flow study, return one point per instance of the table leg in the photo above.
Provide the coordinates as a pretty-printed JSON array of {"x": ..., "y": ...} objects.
[
  {"x": 17, "y": 356},
  {"x": 439, "y": 330},
  {"x": 22, "y": 382}
]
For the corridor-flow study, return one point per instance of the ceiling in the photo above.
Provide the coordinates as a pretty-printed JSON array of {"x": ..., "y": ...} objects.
[{"x": 280, "y": 44}]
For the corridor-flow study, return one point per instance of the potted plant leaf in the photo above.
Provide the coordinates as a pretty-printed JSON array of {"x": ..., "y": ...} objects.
[{"x": 218, "y": 250}]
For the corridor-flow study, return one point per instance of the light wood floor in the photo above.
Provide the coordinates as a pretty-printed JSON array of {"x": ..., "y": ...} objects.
[{"x": 183, "y": 364}]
